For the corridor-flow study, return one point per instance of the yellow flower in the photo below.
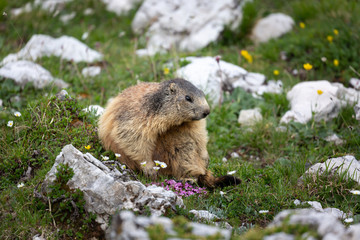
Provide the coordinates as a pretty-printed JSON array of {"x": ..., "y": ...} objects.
[
  {"x": 320, "y": 92},
  {"x": 336, "y": 32},
  {"x": 166, "y": 71},
  {"x": 276, "y": 72},
  {"x": 336, "y": 62},
  {"x": 307, "y": 66},
  {"x": 330, "y": 38},
  {"x": 302, "y": 25},
  {"x": 87, "y": 147},
  {"x": 246, "y": 55}
]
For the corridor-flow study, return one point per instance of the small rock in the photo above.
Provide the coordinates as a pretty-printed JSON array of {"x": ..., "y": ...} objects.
[
  {"x": 120, "y": 7},
  {"x": 357, "y": 111},
  {"x": 320, "y": 100},
  {"x": 66, "y": 18},
  {"x": 1, "y": 102},
  {"x": 249, "y": 117},
  {"x": 65, "y": 47},
  {"x": 355, "y": 83},
  {"x": 203, "y": 230},
  {"x": 279, "y": 236},
  {"x": 272, "y": 26},
  {"x": 23, "y": 72},
  {"x": 204, "y": 215},
  {"x": 91, "y": 71},
  {"x": 88, "y": 11},
  {"x": 335, "y": 139},
  {"x": 62, "y": 95},
  {"x": 235, "y": 155},
  {"x": 324, "y": 224},
  {"x": 224, "y": 160},
  {"x": 95, "y": 109},
  {"x": 346, "y": 165},
  {"x": 297, "y": 202}
]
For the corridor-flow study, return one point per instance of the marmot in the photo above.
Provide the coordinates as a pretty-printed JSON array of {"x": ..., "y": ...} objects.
[{"x": 161, "y": 121}]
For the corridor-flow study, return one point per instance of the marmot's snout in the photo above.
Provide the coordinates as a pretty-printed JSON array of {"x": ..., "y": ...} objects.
[{"x": 206, "y": 112}]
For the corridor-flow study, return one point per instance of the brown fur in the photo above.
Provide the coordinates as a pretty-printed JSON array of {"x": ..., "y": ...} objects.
[{"x": 165, "y": 122}]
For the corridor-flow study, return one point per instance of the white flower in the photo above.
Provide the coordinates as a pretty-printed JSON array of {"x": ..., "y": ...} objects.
[
  {"x": 324, "y": 59},
  {"x": 221, "y": 193},
  {"x": 123, "y": 167},
  {"x": 143, "y": 163},
  {"x": 20, "y": 185},
  {"x": 297, "y": 202},
  {"x": 163, "y": 165},
  {"x": 104, "y": 158},
  {"x": 10, "y": 123},
  {"x": 117, "y": 155},
  {"x": 263, "y": 211},
  {"x": 231, "y": 172},
  {"x": 17, "y": 114},
  {"x": 355, "y": 192},
  {"x": 156, "y": 168},
  {"x": 224, "y": 159},
  {"x": 348, "y": 220},
  {"x": 157, "y": 163}
]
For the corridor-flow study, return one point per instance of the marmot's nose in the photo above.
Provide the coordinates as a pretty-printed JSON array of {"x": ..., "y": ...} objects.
[{"x": 205, "y": 113}]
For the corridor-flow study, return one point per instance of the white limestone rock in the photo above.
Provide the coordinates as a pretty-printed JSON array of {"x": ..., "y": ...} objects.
[
  {"x": 249, "y": 117},
  {"x": 125, "y": 225},
  {"x": 91, "y": 71},
  {"x": 306, "y": 102},
  {"x": 324, "y": 224},
  {"x": 66, "y": 18},
  {"x": 23, "y": 72},
  {"x": 272, "y": 26},
  {"x": 355, "y": 82},
  {"x": 47, "y": 5},
  {"x": 95, "y": 109},
  {"x": 204, "y": 215},
  {"x": 186, "y": 25},
  {"x": 335, "y": 139},
  {"x": 357, "y": 111},
  {"x": 65, "y": 47},
  {"x": 108, "y": 190},
  {"x": 346, "y": 165},
  {"x": 120, "y": 7},
  {"x": 209, "y": 76}
]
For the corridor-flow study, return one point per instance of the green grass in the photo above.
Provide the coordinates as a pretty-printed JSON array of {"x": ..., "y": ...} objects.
[{"x": 270, "y": 162}]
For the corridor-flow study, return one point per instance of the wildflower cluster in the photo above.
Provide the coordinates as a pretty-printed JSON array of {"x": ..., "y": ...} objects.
[{"x": 181, "y": 189}]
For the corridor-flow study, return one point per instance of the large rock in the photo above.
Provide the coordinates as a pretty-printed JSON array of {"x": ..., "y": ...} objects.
[
  {"x": 186, "y": 25},
  {"x": 210, "y": 76},
  {"x": 319, "y": 99},
  {"x": 357, "y": 111},
  {"x": 125, "y": 225},
  {"x": 346, "y": 166},
  {"x": 272, "y": 26},
  {"x": 23, "y": 72},
  {"x": 65, "y": 47},
  {"x": 249, "y": 117},
  {"x": 108, "y": 190}
]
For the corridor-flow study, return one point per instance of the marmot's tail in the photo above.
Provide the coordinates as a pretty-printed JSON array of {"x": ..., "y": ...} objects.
[{"x": 210, "y": 181}]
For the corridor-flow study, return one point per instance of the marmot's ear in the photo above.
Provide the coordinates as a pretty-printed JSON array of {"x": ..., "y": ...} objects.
[{"x": 172, "y": 87}]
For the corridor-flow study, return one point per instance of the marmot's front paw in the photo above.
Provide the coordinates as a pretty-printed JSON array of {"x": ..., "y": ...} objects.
[{"x": 191, "y": 181}]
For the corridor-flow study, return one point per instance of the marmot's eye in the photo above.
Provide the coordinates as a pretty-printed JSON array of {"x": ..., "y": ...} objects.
[{"x": 188, "y": 98}]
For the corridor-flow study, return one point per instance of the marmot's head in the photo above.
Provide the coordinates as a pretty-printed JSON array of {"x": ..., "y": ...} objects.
[{"x": 189, "y": 101}]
